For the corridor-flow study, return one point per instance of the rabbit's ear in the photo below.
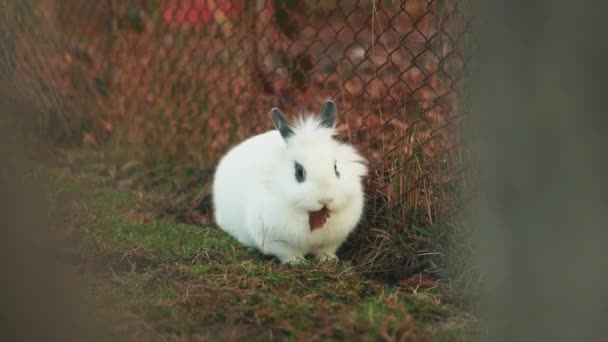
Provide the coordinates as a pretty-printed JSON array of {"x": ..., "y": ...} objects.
[
  {"x": 280, "y": 123},
  {"x": 328, "y": 114}
]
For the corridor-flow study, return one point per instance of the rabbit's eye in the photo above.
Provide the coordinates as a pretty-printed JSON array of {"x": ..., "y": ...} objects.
[
  {"x": 336, "y": 169},
  {"x": 300, "y": 173}
]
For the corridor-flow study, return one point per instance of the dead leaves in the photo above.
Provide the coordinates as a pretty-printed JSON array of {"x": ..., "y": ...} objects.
[{"x": 187, "y": 89}]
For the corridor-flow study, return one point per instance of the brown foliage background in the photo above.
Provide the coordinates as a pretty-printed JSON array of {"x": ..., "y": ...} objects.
[{"x": 176, "y": 82}]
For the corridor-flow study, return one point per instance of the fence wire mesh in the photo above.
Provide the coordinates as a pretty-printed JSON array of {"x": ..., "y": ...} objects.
[{"x": 182, "y": 80}]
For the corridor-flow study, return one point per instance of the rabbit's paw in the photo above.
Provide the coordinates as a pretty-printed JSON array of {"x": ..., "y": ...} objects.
[
  {"x": 286, "y": 255},
  {"x": 326, "y": 256},
  {"x": 295, "y": 260}
]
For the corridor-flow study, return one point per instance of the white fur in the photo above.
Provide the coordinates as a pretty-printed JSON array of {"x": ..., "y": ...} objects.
[{"x": 258, "y": 201}]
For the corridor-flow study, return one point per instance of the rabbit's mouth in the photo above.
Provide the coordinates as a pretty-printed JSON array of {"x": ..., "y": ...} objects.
[{"x": 317, "y": 219}]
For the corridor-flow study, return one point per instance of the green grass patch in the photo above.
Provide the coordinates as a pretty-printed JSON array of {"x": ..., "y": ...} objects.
[{"x": 187, "y": 281}]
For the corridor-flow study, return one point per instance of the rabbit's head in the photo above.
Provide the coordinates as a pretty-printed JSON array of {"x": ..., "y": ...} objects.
[{"x": 316, "y": 171}]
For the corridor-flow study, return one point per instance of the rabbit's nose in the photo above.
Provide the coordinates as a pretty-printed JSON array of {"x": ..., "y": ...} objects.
[{"x": 326, "y": 200}]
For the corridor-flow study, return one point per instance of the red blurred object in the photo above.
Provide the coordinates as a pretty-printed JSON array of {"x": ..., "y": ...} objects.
[
  {"x": 194, "y": 12},
  {"x": 193, "y": 16},
  {"x": 232, "y": 8}
]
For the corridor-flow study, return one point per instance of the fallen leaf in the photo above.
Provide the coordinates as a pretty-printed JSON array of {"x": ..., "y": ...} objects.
[
  {"x": 89, "y": 139},
  {"x": 198, "y": 218},
  {"x": 317, "y": 219}
]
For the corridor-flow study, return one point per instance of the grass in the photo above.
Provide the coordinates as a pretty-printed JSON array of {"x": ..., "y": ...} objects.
[{"x": 185, "y": 281}]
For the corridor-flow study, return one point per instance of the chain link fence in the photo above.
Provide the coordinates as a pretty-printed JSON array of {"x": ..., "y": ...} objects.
[{"x": 179, "y": 81}]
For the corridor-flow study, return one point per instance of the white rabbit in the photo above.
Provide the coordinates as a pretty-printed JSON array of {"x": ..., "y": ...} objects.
[{"x": 266, "y": 188}]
